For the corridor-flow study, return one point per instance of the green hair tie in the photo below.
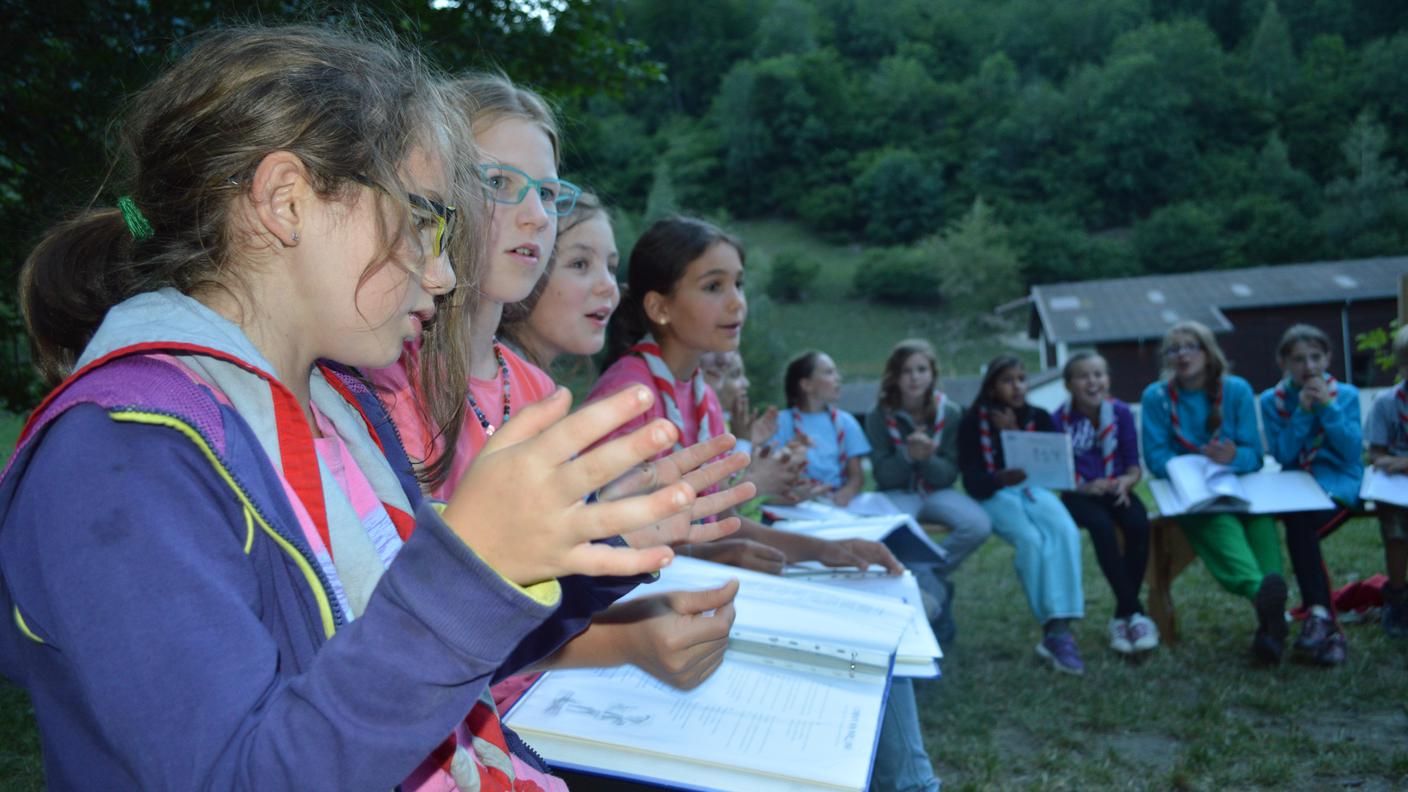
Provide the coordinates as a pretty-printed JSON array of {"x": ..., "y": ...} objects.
[{"x": 137, "y": 224}]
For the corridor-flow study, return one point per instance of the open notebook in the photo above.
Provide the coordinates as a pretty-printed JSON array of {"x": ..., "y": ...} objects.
[
  {"x": 796, "y": 704},
  {"x": 1196, "y": 484},
  {"x": 1384, "y": 487}
]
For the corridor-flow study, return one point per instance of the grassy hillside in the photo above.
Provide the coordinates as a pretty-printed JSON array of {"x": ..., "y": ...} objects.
[{"x": 855, "y": 333}]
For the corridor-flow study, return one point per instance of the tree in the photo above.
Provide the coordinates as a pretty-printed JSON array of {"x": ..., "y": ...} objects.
[
  {"x": 1181, "y": 237},
  {"x": 1271, "y": 64},
  {"x": 1366, "y": 207},
  {"x": 979, "y": 269},
  {"x": 900, "y": 197}
]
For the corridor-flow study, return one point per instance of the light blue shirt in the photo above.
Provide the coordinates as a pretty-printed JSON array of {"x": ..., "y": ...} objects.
[
  {"x": 1238, "y": 424},
  {"x": 824, "y": 458}
]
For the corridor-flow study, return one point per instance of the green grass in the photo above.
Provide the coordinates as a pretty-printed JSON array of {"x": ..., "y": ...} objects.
[
  {"x": 1196, "y": 715},
  {"x": 858, "y": 334}
]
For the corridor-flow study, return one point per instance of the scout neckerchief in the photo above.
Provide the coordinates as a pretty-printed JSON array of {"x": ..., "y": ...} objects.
[
  {"x": 1105, "y": 434},
  {"x": 1283, "y": 409},
  {"x": 649, "y": 351},
  {"x": 478, "y": 413},
  {"x": 840, "y": 428},
  {"x": 1400, "y": 394},
  {"x": 936, "y": 432},
  {"x": 985, "y": 436},
  {"x": 1174, "y": 421}
]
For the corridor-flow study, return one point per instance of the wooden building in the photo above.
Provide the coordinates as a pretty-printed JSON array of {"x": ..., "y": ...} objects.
[{"x": 1124, "y": 319}]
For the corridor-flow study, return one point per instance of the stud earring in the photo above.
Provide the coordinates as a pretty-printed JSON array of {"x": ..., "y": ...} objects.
[{"x": 295, "y": 236}]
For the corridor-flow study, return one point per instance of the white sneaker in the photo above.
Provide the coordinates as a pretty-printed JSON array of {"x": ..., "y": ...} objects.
[
  {"x": 1143, "y": 633},
  {"x": 1119, "y": 636}
]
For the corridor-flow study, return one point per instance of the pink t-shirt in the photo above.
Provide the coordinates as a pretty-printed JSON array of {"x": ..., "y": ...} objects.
[
  {"x": 527, "y": 384},
  {"x": 631, "y": 370}
]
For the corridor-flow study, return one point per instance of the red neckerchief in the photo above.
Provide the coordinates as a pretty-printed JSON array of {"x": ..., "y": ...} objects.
[
  {"x": 1173, "y": 417},
  {"x": 1283, "y": 409},
  {"x": 936, "y": 432},
  {"x": 1105, "y": 434},
  {"x": 985, "y": 436},
  {"x": 664, "y": 380}
]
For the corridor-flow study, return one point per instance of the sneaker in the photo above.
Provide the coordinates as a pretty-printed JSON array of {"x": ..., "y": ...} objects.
[
  {"x": 1143, "y": 633},
  {"x": 1332, "y": 650},
  {"x": 1269, "y": 643},
  {"x": 1394, "y": 614},
  {"x": 1316, "y": 628},
  {"x": 1060, "y": 649},
  {"x": 1119, "y": 636}
]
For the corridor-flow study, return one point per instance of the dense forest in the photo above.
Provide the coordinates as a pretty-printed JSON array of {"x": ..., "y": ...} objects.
[
  {"x": 1104, "y": 137},
  {"x": 971, "y": 147}
]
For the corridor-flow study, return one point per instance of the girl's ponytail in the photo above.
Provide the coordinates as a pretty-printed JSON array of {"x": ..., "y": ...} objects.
[
  {"x": 626, "y": 326},
  {"x": 67, "y": 284}
]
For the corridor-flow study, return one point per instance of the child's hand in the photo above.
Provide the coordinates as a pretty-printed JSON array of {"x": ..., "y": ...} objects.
[
  {"x": 744, "y": 553},
  {"x": 772, "y": 474},
  {"x": 1313, "y": 393},
  {"x": 764, "y": 427},
  {"x": 1009, "y": 476},
  {"x": 1220, "y": 451},
  {"x": 671, "y": 637},
  {"x": 1003, "y": 418},
  {"x": 919, "y": 445},
  {"x": 520, "y": 506},
  {"x": 1391, "y": 464},
  {"x": 1098, "y": 486},
  {"x": 860, "y": 553},
  {"x": 685, "y": 465}
]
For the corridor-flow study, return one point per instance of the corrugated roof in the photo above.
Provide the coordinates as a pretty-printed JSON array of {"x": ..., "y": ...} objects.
[{"x": 1118, "y": 309}]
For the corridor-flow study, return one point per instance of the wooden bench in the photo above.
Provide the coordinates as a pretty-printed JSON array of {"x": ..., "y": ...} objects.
[{"x": 1170, "y": 554}]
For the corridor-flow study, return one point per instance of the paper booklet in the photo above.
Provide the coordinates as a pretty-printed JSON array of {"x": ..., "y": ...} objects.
[
  {"x": 796, "y": 704},
  {"x": 1045, "y": 456},
  {"x": 1196, "y": 484},
  {"x": 1384, "y": 487},
  {"x": 900, "y": 532},
  {"x": 918, "y": 652}
]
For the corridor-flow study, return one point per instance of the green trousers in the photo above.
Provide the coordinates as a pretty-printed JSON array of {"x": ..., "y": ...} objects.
[{"x": 1238, "y": 549}]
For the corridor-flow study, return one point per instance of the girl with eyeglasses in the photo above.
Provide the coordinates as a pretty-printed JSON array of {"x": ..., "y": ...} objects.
[
  {"x": 670, "y": 636},
  {"x": 1198, "y": 407},
  {"x": 250, "y": 591},
  {"x": 1312, "y": 424},
  {"x": 1030, "y": 518}
]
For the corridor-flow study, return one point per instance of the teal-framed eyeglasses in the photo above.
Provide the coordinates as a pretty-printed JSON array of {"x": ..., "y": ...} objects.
[
  {"x": 434, "y": 221},
  {"x": 506, "y": 184}
]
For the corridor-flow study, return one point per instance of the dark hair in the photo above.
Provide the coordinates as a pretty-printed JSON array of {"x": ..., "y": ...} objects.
[
  {"x": 798, "y": 369},
  {"x": 515, "y": 315},
  {"x": 1217, "y": 365},
  {"x": 658, "y": 262},
  {"x": 1069, "y": 370},
  {"x": 1298, "y": 333},
  {"x": 349, "y": 105},
  {"x": 995, "y": 369},
  {"x": 894, "y": 364}
]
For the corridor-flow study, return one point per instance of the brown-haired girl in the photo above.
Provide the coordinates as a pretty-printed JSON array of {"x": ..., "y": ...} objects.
[
  {"x": 1312, "y": 423},
  {"x": 1106, "y": 451},
  {"x": 250, "y": 591},
  {"x": 1199, "y": 407}
]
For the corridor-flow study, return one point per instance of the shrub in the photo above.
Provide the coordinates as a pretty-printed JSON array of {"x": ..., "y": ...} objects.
[
  {"x": 790, "y": 276},
  {"x": 908, "y": 276}
]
